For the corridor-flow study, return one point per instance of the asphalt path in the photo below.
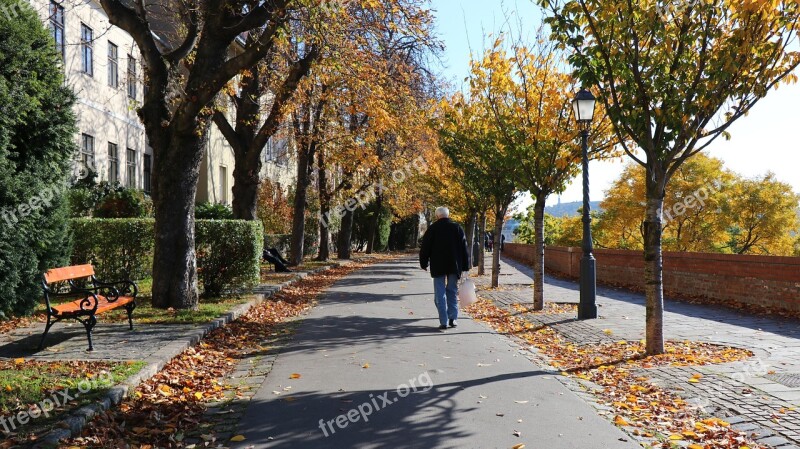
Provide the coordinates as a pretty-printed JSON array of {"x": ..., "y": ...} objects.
[{"x": 374, "y": 372}]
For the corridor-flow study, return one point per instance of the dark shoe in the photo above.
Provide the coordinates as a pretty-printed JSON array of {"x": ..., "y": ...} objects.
[
  {"x": 442, "y": 327},
  {"x": 453, "y": 323}
]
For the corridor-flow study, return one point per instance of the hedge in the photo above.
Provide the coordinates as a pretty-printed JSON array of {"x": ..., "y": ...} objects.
[
  {"x": 228, "y": 254},
  {"x": 119, "y": 248},
  {"x": 228, "y": 251}
]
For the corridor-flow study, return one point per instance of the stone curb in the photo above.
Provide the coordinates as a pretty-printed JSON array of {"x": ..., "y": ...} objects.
[{"x": 73, "y": 425}]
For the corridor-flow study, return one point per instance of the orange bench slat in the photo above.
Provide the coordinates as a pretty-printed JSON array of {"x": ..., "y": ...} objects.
[
  {"x": 67, "y": 273},
  {"x": 102, "y": 305}
]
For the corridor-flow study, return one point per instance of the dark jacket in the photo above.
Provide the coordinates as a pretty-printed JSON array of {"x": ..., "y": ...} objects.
[{"x": 444, "y": 247}]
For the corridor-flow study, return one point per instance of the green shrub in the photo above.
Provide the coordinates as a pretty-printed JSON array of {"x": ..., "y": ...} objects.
[
  {"x": 37, "y": 144},
  {"x": 88, "y": 198},
  {"x": 118, "y": 248},
  {"x": 122, "y": 202},
  {"x": 212, "y": 211},
  {"x": 364, "y": 219},
  {"x": 384, "y": 229},
  {"x": 228, "y": 254},
  {"x": 311, "y": 235},
  {"x": 228, "y": 251},
  {"x": 81, "y": 202}
]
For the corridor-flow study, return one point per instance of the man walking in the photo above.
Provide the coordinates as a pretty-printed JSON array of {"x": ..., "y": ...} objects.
[{"x": 444, "y": 248}]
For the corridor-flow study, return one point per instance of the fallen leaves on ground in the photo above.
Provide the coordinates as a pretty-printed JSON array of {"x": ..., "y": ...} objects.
[
  {"x": 549, "y": 308},
  {"x": 642, "y": 408},
  {"x": 162, "y": 410},
  {"x": 21, "y": 322}
]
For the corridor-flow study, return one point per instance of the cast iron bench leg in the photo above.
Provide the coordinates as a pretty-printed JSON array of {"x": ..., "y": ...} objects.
[
  {"x": 46, "y": 330},
  {"x": 129, "y": 308},
  {"x": 89, "y": 325}
]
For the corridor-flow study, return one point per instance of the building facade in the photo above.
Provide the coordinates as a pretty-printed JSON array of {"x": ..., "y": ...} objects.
[{"x": 103, "y": 67}]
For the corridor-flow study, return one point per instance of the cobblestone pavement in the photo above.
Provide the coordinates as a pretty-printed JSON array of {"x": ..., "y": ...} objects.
[
  {"x": 112, "y": 341},
  {"x": 758, "y": 396}
]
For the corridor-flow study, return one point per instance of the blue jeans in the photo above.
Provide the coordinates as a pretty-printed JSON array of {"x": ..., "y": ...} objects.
[{"x": 445, "y": 289}]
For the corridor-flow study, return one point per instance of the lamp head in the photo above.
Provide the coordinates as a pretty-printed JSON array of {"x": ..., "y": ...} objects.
[{"x": 583, "y": 107}]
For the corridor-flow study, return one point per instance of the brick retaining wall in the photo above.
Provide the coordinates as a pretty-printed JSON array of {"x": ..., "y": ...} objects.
[{"x": 760, "y": 280}]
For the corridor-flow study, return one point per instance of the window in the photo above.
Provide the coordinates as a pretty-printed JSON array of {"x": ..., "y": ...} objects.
[
  {"x": 223, "y": 184},
  {"x": 131, "y": 77},
  {"x": 148, "y": 169},
  {"x": 57, "y": 27},
  {"x": 86, "y": 158},
  {"x": 113, "y": 164},
  {"x": 130, "y": 168},
  {"x": 277, "y": 149},
  {"x": 113, "y": 63},
  {"x": 269, "y": 151},
  {"x": 87, "y": 38}
]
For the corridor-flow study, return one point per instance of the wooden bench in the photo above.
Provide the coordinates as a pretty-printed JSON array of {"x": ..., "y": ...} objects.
[{"x": 94, "y": 298}]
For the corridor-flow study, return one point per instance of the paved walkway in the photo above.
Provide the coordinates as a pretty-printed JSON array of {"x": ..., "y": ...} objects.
[
  {"x": 754, "y": 394},
  {"x": 368, "y": 369}
]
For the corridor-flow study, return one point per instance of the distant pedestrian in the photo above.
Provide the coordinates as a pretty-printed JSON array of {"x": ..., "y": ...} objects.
[
  {"x": 491, "y": 242},
  {"x": 502, "y": 242},
  {"x": 444, "y": 248}
]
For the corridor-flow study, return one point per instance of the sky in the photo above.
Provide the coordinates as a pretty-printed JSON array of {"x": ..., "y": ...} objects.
[{"x": 763, "y": 141}]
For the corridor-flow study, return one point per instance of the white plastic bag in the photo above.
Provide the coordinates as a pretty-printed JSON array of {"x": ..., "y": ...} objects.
[{"x": 466, "y": 293}]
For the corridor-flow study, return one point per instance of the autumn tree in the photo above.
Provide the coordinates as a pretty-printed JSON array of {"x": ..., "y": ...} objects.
[
  {"x": 762, "y": 215},
  {"x": 257, "y": 100},
  {"x": 529, "y": 97},
  {"x": 692, "y": 219},
  {"x": 190, "y": 52},
  {"x": 469, "y": 137},
  {"x": 377, "y": 81},
  {"x": 673, "y": 77},
  {"x": 449, "y": 185},
  {"x": 274, "y": 209},
  {"x": 526, "y": 232}
]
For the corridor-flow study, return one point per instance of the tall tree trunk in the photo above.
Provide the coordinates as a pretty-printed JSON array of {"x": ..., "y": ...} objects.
[
  {"x": 471, "y": 218},
  {"x": 415, "y": 237},
  {"x": 498, "y": 229},
  {"x": 374, "y": 222},
  {"x": 324, "y": 208},
  {"x": 481, "y": 239},
  {"x": 177, "y": 169},
  {"x": 538, "y": 259},
  {"x": 246, "y": 181},
  {"x": 653, "y": 265},
  {"x": 343, "y": 242},
  {"x": 299, "y": 215}
]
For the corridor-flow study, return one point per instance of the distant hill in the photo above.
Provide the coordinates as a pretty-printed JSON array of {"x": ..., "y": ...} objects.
[{"x": 569, "y": 209}]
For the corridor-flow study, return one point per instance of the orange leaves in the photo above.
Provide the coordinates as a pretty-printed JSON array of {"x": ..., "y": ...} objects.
[
  {"x": 620, "y": 421},
  {"x": 637, "y": 405}
]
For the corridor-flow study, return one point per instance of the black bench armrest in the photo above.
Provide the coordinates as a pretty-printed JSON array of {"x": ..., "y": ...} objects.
[{"x": 116, "y": 288}]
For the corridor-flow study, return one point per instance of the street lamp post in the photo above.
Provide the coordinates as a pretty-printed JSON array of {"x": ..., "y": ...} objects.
[{"x": 583, "y": 108}]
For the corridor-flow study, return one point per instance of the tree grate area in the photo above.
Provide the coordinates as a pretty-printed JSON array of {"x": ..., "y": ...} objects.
[{"x": 791, "y": 380}]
